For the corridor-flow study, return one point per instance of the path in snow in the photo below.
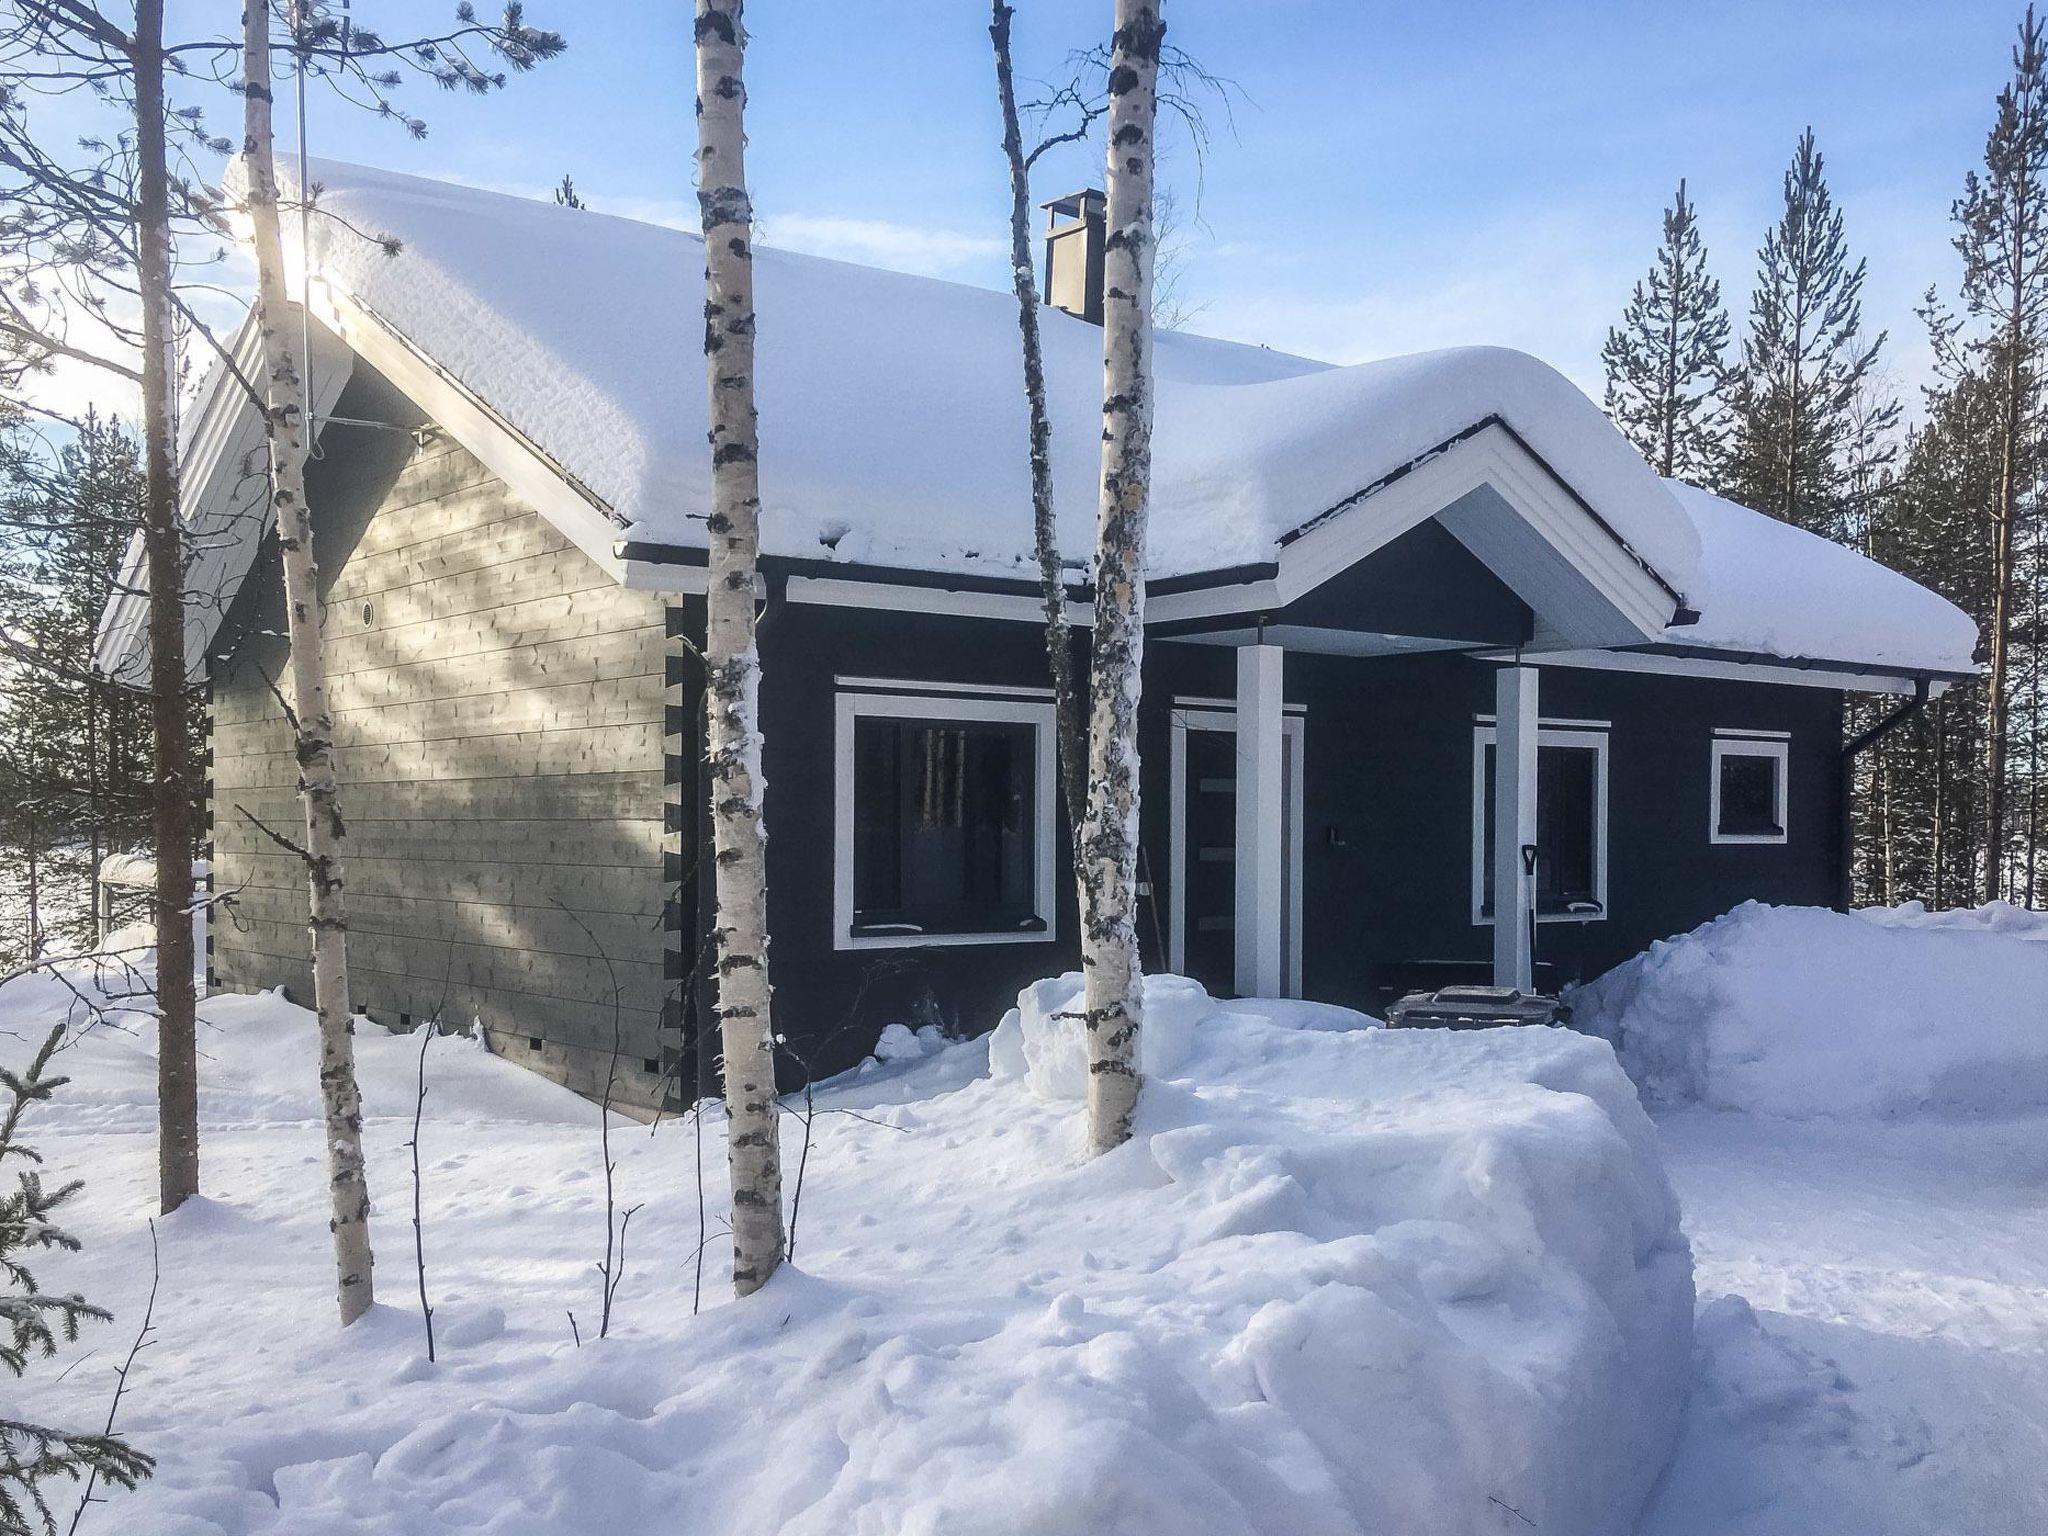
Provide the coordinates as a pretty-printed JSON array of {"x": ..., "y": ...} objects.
[{"x": 1885, "y": 1369}]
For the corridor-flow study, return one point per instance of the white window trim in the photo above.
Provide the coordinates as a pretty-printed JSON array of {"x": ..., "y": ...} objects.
[
  {"x": 1546, "y": 736},
  {"x": 1183, "y": 720},
  {"x": 1045, "y": 831},
  {"x": 1760, "y": 745}
]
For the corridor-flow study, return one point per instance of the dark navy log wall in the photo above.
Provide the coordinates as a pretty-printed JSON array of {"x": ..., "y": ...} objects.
[
  {"x": 1387, "y": 829},
  {"x": 1388, "y": 763}
]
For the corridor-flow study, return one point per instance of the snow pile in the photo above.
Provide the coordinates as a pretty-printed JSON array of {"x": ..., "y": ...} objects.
[
  {"x": 1043, "y": 1041},
  {"x": 1799, "y": 1011},
  {"x": 1342, "y": 1280},
  {"x": 1779, "y": 590}
]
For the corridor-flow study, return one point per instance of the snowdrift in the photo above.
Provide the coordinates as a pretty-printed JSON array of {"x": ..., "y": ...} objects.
[
  {"x": 1344, "y": 1279},
  {"x": 1803, "y": 1012}
]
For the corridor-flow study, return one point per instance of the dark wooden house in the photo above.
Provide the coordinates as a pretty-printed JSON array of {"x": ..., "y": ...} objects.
[{"x": 1405, "y": 621}]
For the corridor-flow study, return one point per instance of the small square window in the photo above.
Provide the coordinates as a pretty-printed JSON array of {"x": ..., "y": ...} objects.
[{"x": 1749, "y": 797}]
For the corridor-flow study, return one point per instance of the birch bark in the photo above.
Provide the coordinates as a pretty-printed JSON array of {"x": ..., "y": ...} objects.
[
  {"x": 732, "y": 662},
  {"x": 1059, "y": 652},
  {"x": 312, "y": 723},
  {"x": 163, "y": 548},
  {"x": 1109, "y": 844}
]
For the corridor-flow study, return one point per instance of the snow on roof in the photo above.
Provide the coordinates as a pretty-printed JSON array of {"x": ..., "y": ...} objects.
[
  {"x": 892, "y": 412},
  {"x": 893, "y": 420},
  {"x": 1779, "y": 590}
]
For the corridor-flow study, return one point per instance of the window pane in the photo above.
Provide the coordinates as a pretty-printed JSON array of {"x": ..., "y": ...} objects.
[
  {"x": 1749, "y": 796},
  {"x": 943, "y": 818},
  {"x": 877, "y": 854},
  {"x": 1567, "y": 833},
  {"x": 1565, "y": 836}
]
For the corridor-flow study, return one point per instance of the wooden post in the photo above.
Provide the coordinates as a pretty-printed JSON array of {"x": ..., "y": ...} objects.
[
  {"x": 1514, "y": 824},
  {"x": 1261, "y": 788}
]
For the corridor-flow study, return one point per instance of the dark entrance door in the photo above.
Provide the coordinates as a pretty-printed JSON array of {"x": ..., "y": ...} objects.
[{"x": 1211, "y": 871}]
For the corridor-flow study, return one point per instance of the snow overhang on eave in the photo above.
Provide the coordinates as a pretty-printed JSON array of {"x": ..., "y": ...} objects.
[{"x": 1588, "y": 587}]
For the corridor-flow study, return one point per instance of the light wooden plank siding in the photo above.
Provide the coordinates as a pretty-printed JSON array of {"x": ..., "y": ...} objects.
[{"x": 498, "y": 705}]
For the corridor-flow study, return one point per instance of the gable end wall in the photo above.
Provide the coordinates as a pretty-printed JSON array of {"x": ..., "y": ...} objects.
[{"x": 498, "y": 702}]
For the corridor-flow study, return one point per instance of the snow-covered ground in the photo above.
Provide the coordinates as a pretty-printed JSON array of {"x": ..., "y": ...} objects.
[
  {"x": 1344, "y": 1280},
  {"x": 1872, "y": 1252}
]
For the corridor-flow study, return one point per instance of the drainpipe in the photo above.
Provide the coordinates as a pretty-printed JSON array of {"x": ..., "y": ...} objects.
[{"x": 1852, "y": 749}]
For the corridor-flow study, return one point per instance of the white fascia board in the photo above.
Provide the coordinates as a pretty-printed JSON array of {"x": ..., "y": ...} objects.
[
  {"x": 533, "y": 477},
  {"x": 672, "y": 577},
  {"x": 1493, "y": 458},
  {"x": 891, "y": 597},
  {"x": 1791, "y": 673},
  {"x": 219, "y": 434},
  {"x": 1213, "y": 602}
]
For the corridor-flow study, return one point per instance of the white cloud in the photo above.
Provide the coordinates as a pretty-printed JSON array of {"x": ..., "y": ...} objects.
[{"x": 1550, "y": 287}]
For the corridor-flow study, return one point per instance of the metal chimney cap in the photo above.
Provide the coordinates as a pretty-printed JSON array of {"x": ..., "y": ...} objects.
[{"x": 1076, "y": 205}]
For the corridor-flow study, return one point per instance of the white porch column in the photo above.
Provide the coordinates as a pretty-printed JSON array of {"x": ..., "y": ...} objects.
[
  {"x": 1514, "y": 822},
  {"x": 1261, "y": 891}
]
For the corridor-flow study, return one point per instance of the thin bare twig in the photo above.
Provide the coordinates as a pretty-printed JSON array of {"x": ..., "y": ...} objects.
[{"x": 121, "y": 1376}]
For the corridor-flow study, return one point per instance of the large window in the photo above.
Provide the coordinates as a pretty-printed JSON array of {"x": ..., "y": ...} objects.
[
  {"x": 1748, "y": 804},
  {"x": 1571, "y": 824},
  {"x": 945, "y": 820}
]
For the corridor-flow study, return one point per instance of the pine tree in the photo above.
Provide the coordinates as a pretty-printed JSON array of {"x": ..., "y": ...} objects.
[
  {"x": 37, "y": 1322},
  {"x": 566, "y": 195},
  {"x": 2003, "y": 240},
  {"x": 1664, "y": 361},
  {"x": 63, "y": 529},
  {"x": 1920, "y": 835},
  {"x": 1792, "y": 393}
]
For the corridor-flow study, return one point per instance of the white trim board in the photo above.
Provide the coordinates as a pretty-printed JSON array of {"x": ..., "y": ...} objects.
[
  {"x": 1560, "y": 722},
  {"x": 1546, "y": 736},
  {"x": 1747, "y": 745},
  {"x": 1293, "y": 726},
  {"x": 892, "y": 597},
  {"x": 922, "y": 685},
  {"x": 1790, "y": 673},
  {"x": 1637, "y": 605},
  {"x": 848, "y": 707},
  {"x": 1203, "y": 701}
]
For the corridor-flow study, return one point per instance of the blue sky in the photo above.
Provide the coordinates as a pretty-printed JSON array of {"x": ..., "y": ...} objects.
[{"x": 1400, "y": 175}]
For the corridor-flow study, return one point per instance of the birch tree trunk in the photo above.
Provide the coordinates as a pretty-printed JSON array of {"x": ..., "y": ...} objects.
[
  {"x": 312, "y": 723},
  {"x": 163, "y": 548},
  {"x": 1109, "y": 844},
  {"x": 1059, "y": 651},
  {"x": 732, "y": 662}
]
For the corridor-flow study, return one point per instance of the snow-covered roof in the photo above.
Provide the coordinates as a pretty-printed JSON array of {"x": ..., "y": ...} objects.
[
  {"x": 893, "y": 432},
  {"x": 891, "y": 406},
  {"x": 1776, "y": 590}
]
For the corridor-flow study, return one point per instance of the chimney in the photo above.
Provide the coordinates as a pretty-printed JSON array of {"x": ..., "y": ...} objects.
[{"x": 1074, "y": 227}]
